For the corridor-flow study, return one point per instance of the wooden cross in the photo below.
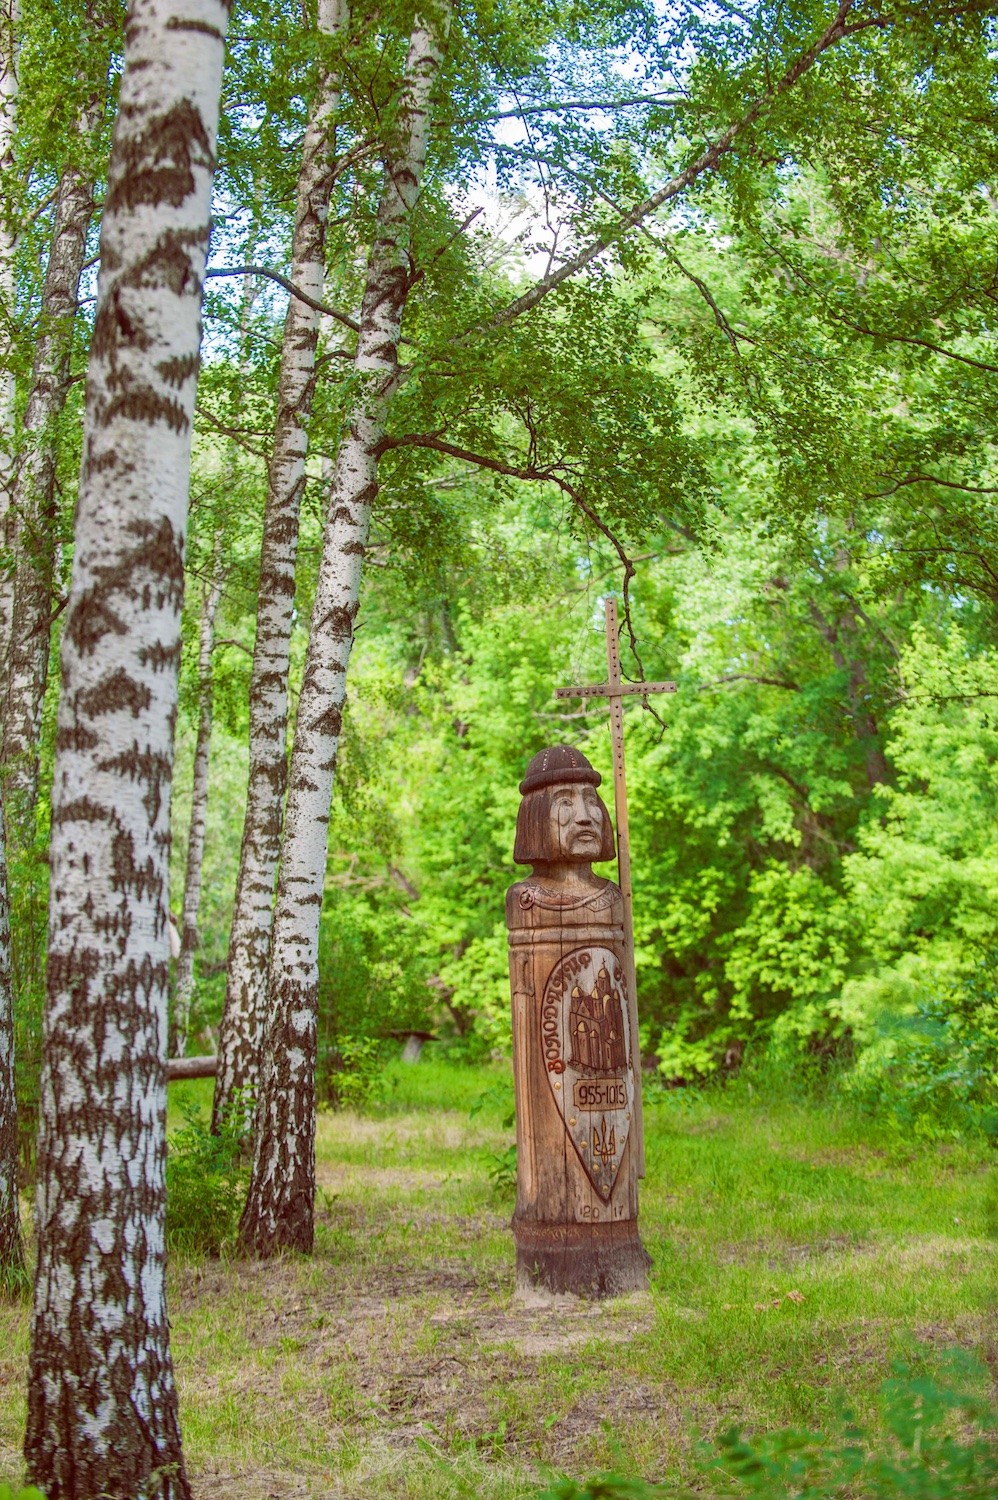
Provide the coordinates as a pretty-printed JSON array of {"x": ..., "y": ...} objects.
[{"x": 616, "y": 690}]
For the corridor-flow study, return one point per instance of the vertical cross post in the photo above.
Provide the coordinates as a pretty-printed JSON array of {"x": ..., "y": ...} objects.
[{"x": 615, "y": 689}]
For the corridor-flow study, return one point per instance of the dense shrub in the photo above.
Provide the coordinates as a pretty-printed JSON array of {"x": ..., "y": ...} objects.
[
  {"x": 371, "y": 990},
  {"x": 933, "y": 1456},
  {"x": 206, "y": 1178},
  {"x": 935, "y": 1072}
]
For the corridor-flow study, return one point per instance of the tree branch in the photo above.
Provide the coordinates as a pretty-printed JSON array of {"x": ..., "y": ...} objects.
[
  {"x": 289, "y": 286},
  {"x": 549, "y": 475},
  {"x": 780, "y": 682},
  {"x": 948, "y": 484},
  {"x": 707, "y": 160},
  {"x": 230, "y": 432},
  {"x": 660, "y": 99}
]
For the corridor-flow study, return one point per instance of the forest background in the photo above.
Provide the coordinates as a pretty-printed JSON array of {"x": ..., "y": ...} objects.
[{"x": 769, "y": 416}]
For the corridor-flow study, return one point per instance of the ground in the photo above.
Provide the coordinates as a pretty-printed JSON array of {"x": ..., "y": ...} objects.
[{"x": 798, "y": 1251}]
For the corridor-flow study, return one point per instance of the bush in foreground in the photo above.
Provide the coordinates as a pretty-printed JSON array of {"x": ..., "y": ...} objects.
[{"x": 928, "y": 1459}]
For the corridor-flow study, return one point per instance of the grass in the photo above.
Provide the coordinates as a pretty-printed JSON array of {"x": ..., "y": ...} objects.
[{"x": 798, "y": 1251}]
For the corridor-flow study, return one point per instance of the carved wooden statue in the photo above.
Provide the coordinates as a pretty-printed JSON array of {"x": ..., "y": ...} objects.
[{"x": 577, "y": 1110}]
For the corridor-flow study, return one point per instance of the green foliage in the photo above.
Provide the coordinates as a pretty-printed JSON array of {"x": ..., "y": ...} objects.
[
  {"x": 502, "y": 1170},
  {"x": 350, "y": 1071},
  {"x": 933, "y": 1457},
  {"x": 501, "y": 1164},
  {"x": 206, "y": 1178},
  {"x": 936, "y": 1071},
  {"x": 371, "y": 989}
]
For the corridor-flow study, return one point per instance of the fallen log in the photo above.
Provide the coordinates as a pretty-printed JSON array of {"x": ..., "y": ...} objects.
[{"x": 190, "y": 1067}]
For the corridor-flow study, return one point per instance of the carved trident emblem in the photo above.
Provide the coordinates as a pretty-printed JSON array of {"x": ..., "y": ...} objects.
[{"x": 605, "y": 1149}]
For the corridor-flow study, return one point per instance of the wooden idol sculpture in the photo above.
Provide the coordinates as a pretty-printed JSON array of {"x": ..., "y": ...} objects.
[{"x": 574, "y": 1049}]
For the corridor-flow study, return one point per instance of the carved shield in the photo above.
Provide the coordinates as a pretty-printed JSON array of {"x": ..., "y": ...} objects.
[{"x": 586, "y": 1044}]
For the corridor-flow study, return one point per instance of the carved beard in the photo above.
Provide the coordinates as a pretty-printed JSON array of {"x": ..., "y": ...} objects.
[{"x": 581, "y": 844}]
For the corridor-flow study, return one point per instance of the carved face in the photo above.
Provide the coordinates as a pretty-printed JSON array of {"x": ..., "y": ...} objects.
[
  {"x": 576, "y": 822},
  {"x": 557, "y": 822}
]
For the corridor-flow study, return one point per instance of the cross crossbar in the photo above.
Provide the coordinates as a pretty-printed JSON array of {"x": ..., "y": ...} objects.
[{"x": 614, "y": 689}]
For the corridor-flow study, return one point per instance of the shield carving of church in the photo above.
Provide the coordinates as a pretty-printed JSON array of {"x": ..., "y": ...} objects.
[{"x": 587, "y": 1054}]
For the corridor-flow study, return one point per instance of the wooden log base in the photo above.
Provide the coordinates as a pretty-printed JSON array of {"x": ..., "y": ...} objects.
[{"x": 590, "y": 1260}]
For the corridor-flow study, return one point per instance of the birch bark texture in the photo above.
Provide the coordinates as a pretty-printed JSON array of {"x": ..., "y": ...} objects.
[
  {"x": 102, "y": 1406},
  {"x": 11, "y": 1247},
  {"x": 10, "y": 17},
  {"x": 183, "y": 988},
  {"x": 11, "y": 1250},
  {"x": 34, "y": 497},
  {"x": 241, "y": 1030},
  {"x": 280, "y": 1207}
]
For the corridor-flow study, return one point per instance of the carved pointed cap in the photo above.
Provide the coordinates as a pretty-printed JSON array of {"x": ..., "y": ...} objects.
[{"x": 556, "y": 766}]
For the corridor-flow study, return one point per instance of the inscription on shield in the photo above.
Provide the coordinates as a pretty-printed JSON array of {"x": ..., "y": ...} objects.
[{"x": 587, "y": 1053}]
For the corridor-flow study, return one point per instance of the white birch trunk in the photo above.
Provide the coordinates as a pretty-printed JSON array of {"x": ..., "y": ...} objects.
[
  {"x": 280, "y": 1206},
  {"x": 183, "y": 987},
  {"x": 102, "y": 1405},
  {"x": 11, "y": 1252},
  {"x": 11, "y": 1249},
  {"x": 10, "y": 19},
  {"x": 35, "y": 501},
  {"x": 249, "y": 941}
]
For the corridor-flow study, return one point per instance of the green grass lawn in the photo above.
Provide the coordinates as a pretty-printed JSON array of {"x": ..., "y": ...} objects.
[{"x": 798, "y": 1252}]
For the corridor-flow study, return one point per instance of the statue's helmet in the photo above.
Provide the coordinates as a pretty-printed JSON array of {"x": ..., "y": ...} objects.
[{"x": 558, "y": 766}]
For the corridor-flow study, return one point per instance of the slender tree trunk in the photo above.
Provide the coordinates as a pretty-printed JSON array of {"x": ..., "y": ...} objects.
[
  {"x": 10, "y": 18},
  {"x": 34, "y": 491},
  {"x": 102, "y": 1403},
  {"x": 184, "y": 982},
  {"x": 280, "y": 1207},
  {"x": 11, "y": 1250},
  {"x": 249, "y": 941}
]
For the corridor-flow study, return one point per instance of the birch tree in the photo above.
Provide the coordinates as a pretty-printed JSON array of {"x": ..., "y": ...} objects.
[
  {"x": 102, "y": 1408},
  {"x": 34, "y": 494},
  {"x": 249, "y": 943},
  {"x": 280, "y": 1205},
  {"x": 184, "y": 984},
  {"x": 12, "y": 1271},
  {"x": 11, "y": 1250},
  {"x": 10, "y": 15}
]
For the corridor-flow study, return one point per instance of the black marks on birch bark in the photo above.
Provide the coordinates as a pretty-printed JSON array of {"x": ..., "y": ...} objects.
[
  {"x": 147, "y": 405},
  {"x": 149, "y": 574},
  {"x": 75, "y": 737},
  {"x": 156, "y": 165},
  {"x": 286, "y": 1126},
  {"x": 114, "y": 693},
  {"x": 160, "y": 658},
  {"x": 11, "y": 1249},
  {"x": 338, "y": 621},
  {"x": 175, "y": 24},
  {"x": 329, "y": 722},
  {"x": 150, "y": 767},
  {"x": 82, "y": 810},
  {"x": 278, "y": 583},
  {"x": 179, "y": 369}
]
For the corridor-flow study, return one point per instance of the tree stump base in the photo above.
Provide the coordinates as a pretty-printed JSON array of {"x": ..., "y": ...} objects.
[{"x": 589, "y": 1260}]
